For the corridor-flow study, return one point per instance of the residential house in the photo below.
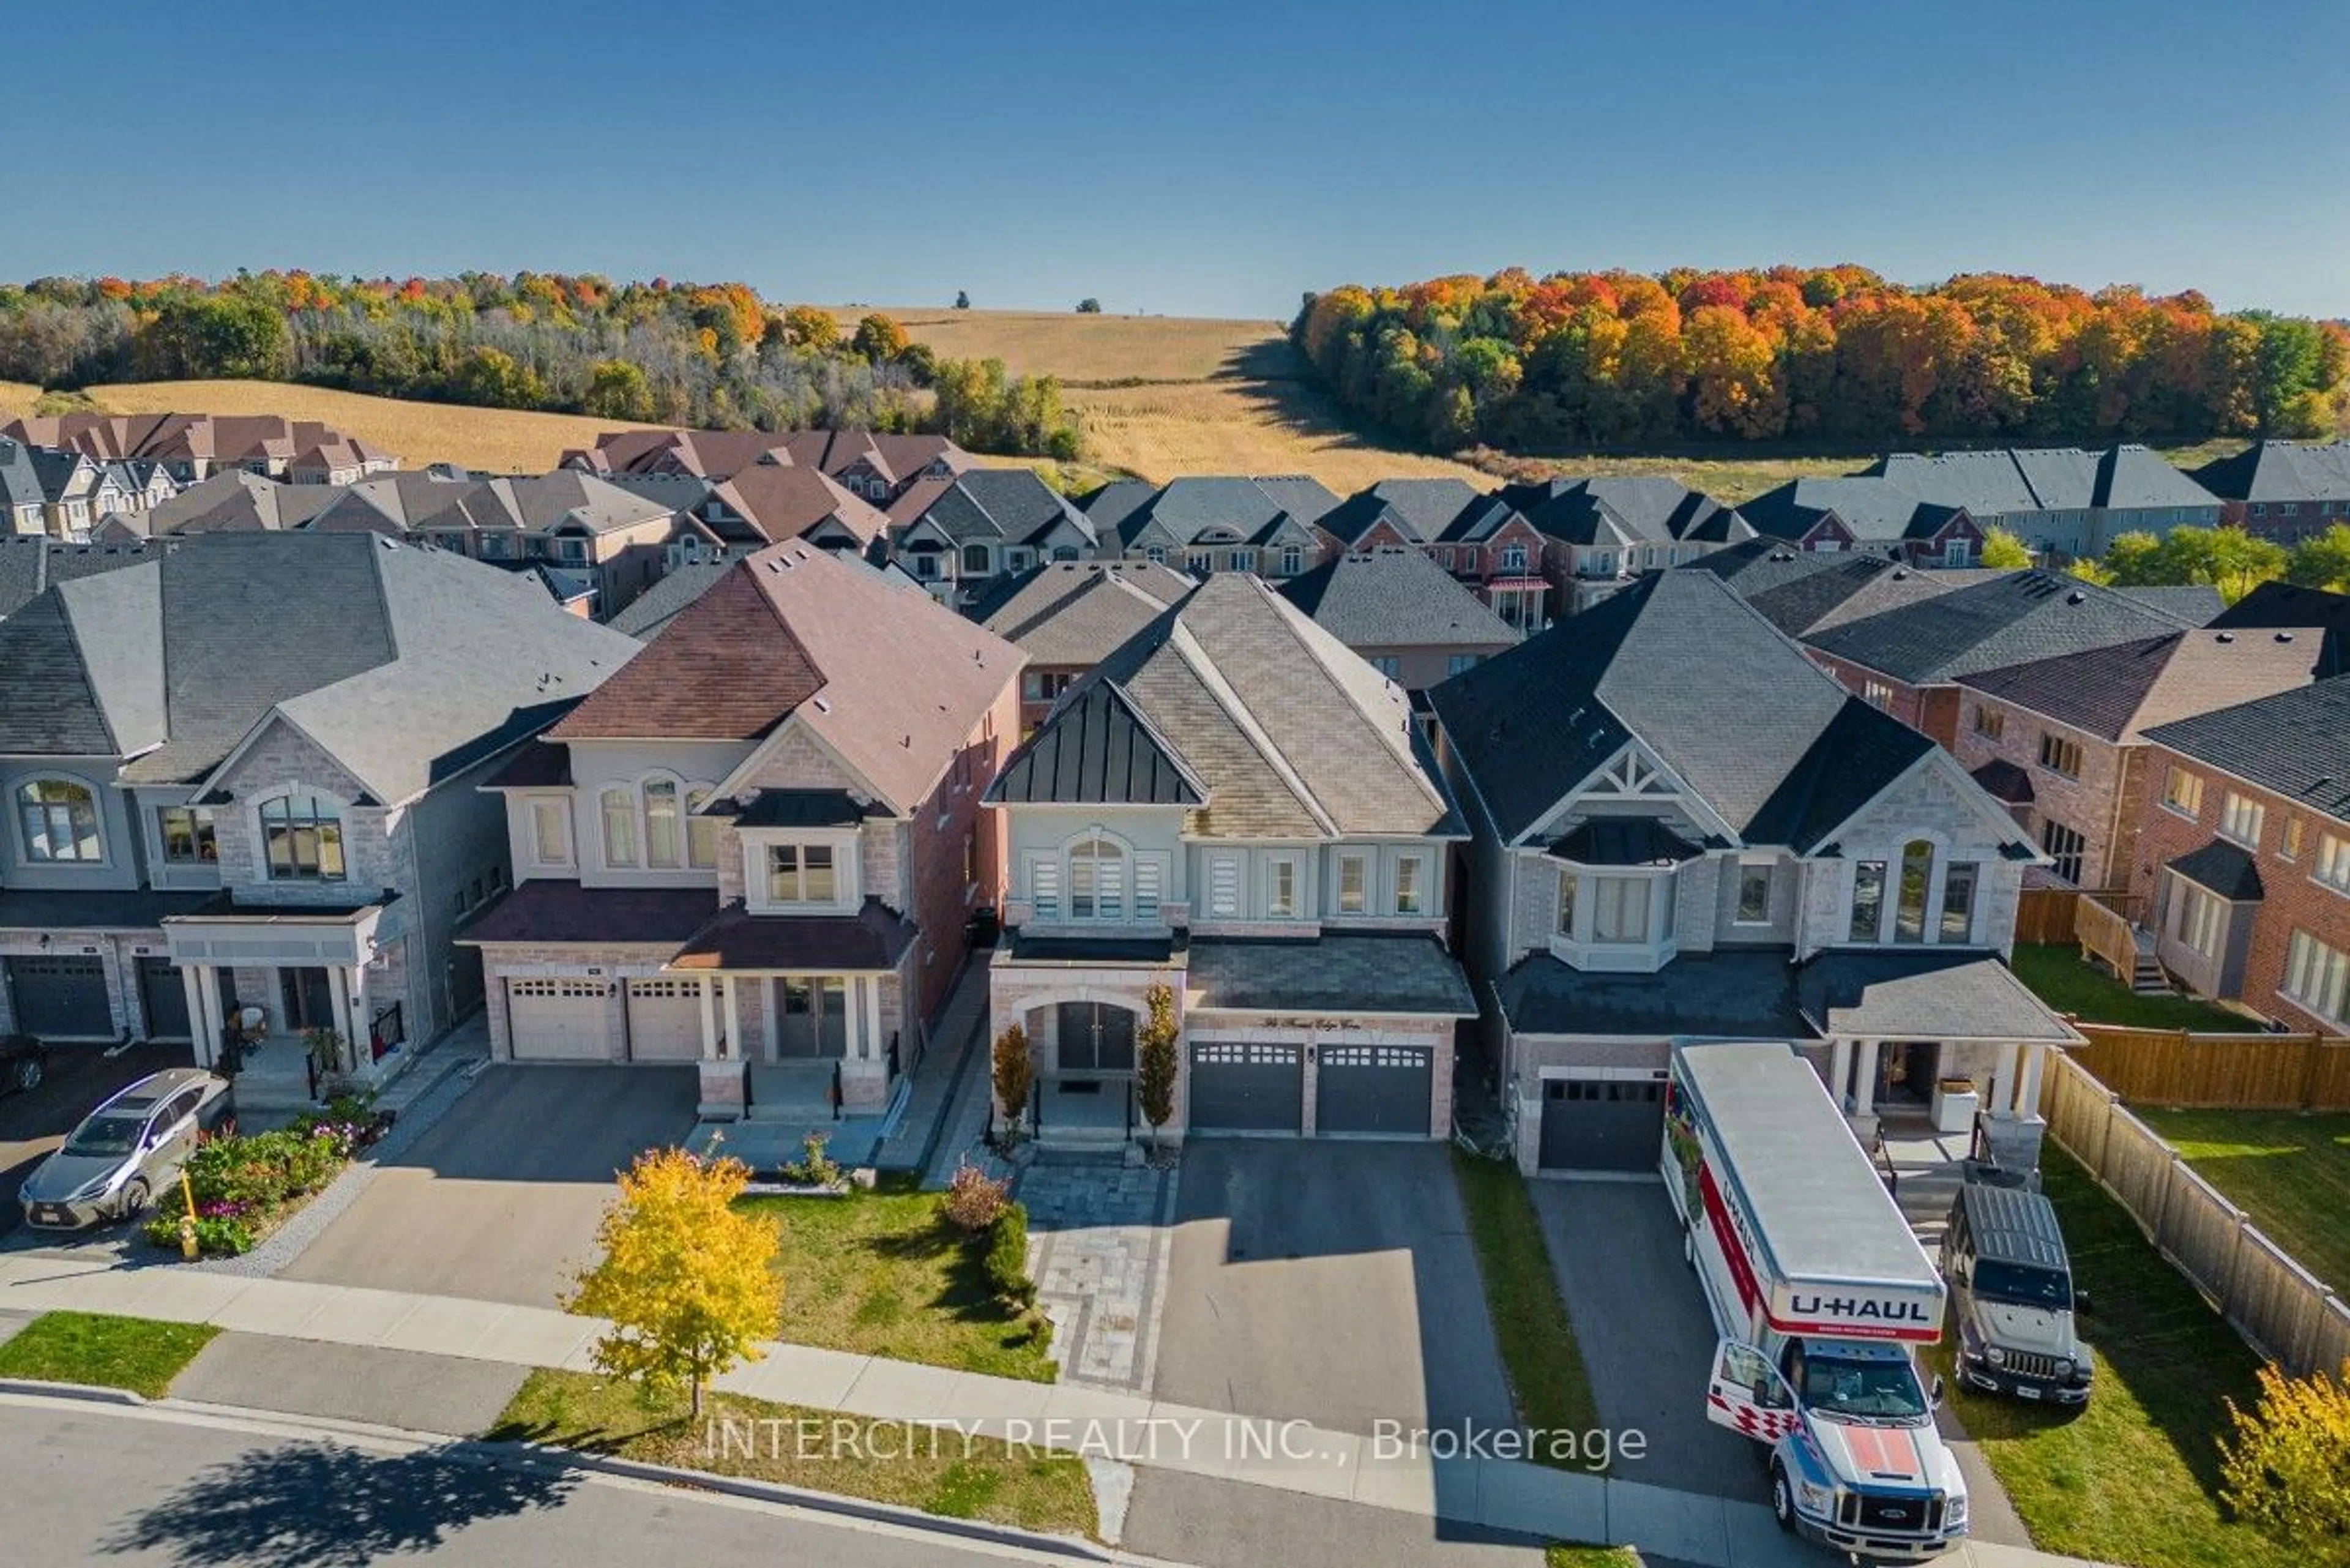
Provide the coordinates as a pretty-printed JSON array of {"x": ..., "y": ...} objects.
[
  {"x": 192, "y": 447},
  {"x": 1483, "y": 540},
  {"x": 879, "y": 468},
  {"x": 2061, "y": 740},
  {"x": 242, "y": 774},
  {"x": 755, "y": 850},
  {"x": 1908, "y": 659},
  {"x": 1415, "y": 622},
  {"x": 2243, "y": 854},
  {"x": 1682, "y": 828},
  {"x": 1601, "y": 533},
  {"x": 1399, "y": 513},
  {"x": 1235, "y": 807},
  {"x": 131, "y": 486},
  {"x": 1867, "y": 514},
  {"x": 955, "y": 536},
  {"x": 31, "y": 565},
  {"x": 1069, "y": 615},
  {"x": 24, "y": 501},
  {"x": 1267, "y": 525},
  {"x": 2064, "y": 504},
  {"x": 772, "y": 503},
  {"x": 2284, "y": 491},
  {"x": 328, "y": 461},
  {"x": 229, "y": 502}
]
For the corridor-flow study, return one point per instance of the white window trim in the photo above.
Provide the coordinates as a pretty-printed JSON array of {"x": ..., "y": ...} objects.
[
  {"x": 847, "y": 869},
  {"x": 1273, "y": 866},
  {"x": 2255, "y": 808},
  {"x": 2314, "y": 1005},
  {"x": 1364, "y": 892},
  {"x": 1770, "y": 869},
  {"x": 532, "y": 806},
  {"x": 1580, "y": 949},
  {"x": 31, "y": 862}
]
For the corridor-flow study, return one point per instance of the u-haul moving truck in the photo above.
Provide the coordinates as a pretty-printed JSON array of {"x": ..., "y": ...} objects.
[{"x": 1820, "y": 1292}]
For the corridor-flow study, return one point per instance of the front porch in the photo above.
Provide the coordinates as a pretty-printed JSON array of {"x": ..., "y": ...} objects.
[
  {"x": 789, "y": 1045},
  {"x": 1081, "y": 1003}
]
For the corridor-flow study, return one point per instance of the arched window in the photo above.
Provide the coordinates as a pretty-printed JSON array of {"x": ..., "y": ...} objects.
[
  {"x": 302, "y": 838},
  {"x": 664, "y": 826},
  {"x": 619, "y": 808},
  {"x": 60, "y": 821},
  {"x": 1097, "y": 881},
  {"x": 1917, "y": 878}
]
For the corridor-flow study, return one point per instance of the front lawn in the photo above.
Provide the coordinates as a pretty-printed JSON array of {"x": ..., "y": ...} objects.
[
  {"x": 104, "y": 1351},
  {"x": 2290, "y": 1171},
  {"x": 881, "y": 1273},
  {"x": 1591, "y": 1557},
  {"x": 2135, "y": 1478},
  {"x": 822, "y": 1450},
  {"x": 1530, "y": 1323},
  {"x": 2059, "y": 976}
]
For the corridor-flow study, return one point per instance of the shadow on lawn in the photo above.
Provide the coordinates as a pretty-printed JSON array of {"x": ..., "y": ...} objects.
[{"x": 311, "y": 1506}]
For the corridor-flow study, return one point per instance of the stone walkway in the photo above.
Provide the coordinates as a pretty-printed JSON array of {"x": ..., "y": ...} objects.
[{"x": 1099, "y": 1234}]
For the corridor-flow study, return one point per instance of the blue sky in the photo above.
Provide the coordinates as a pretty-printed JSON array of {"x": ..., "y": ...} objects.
[{"x": 1196, "y": 158}]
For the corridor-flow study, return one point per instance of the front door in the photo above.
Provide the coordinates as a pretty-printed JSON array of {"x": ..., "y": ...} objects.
[
  {"x": 308, "y": 1000},
  {"x": 1095, "y": 1037},
  {"x": 811, "y": 1018}
]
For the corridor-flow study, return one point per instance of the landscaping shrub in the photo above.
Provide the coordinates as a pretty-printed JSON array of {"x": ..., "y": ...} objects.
[
  {"x": 1006, "y": 1259},
  {"x": 217, "y": 1236},
  {"x": 973, "y": 1198},
  {"x": 239, "y": 1183},
  {"x": 813, "y": 1168},
  {"x": 1013, "y": 1071},
  {"x": 2288, "y": 1470}
]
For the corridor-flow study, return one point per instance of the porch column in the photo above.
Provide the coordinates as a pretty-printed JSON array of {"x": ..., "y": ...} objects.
[
  {"x": 362, "y": 1030},
  {"x": 734, "y": 1018},
  {"x": 202, "y": 986},
  {"x": 2002, "y": 1082},
  {"x": 2027, "y": 1099},
  {"x": 1864, "y": 1087},
  {"x": 875, "y": 1046},
  {"x": 1840, "y": 1071},
  {"x": 709, "y": 1023},
  {"x": 339, "y": 1007}
]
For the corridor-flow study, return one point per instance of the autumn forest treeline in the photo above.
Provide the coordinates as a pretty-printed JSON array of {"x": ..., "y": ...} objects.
[
  {"x": 711, "y": 355},
  {"x": 1829, "y": 354}
]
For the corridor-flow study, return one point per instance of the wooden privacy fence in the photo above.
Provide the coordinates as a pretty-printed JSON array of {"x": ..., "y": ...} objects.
[
  {"x": 2250, "y": 1072},
  {"x": 2051, "y": 916},
  {"x": 2287, "y": 1312},
  {"x": 2103, "y": 932}
]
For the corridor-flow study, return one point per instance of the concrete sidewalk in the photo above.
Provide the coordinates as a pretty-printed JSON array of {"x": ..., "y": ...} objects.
[{"x": 1291, "y": 1456}]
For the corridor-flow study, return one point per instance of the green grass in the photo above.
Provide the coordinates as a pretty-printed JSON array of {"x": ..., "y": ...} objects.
[
  {"x": 980, "y": 1477},
  {"x": 2290, "y": 1171},
  {"x": 1530, "y": 1323},
  {"x": 104, "y": 1351},
  {"x": 1591, "y": 1557},
  {"x": 881, "y": 1273},
  {"x": 2134, "y": 1478},
  {"x": 2058, "y": 976}
]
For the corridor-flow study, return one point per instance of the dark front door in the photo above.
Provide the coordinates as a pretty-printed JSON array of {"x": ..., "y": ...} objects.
[
  {"x": 308, "y": 1000},
  {"x": 163, "y": 997},
  {"x": 1095, "y": 1037},
  {"x": 812, "y": 1018},
  {"x": 1601, "y": 1124},
  {"x": 1374, "y": 1089},
  {"x": 61, "y": 996},
  {"x": 1247, "y": 1087}
]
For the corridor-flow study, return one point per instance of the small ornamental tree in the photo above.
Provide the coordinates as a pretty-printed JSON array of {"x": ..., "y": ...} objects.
[
  {"x": 1155, "y": 1060},
  {"x": 1014, "y": 1071},
  {"x": 2002, "y": 551},
  {"x": 2286, "y": 1473},
  {"x": 685, "y": 1277}
]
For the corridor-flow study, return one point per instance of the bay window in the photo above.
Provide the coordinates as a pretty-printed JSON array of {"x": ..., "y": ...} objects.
[{"x": 59, "y": 817}]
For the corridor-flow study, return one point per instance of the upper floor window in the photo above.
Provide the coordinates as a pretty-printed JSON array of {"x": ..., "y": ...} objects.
[
  {"x": 1877, "y": 694},
  {"x": 1956, "y": 552},
  {"x": 1097, "y": 881},
  {"x": 1094, "y": 878},
  {"x": 187, "y": 834},
  {"x": 1917, "y": 880},
  {"x": 1198, "y": 563},
  {"x": 658, "y": 817},
  {"x": 550, "y": 833},
  {"x": 974, "y": 560},
  {"x": 302, "y": 838},
  {"x": 1281, "y": 889},
  {"x": 1014, "y": 561},
  {"x": 1354, "y": 878},
  {"x": 619, "y": 809},
  {"x": 1043, "y": 685},
  {"x": 664, "y": 825},
  {"x": 1958, "y": 903},
  {"x": 1293, "y": 560},
  {"x": 1243, "y": 560},
  {"x": 2289, "y": 841},
  {"x": 1156, "y": 554},
  {"x": 1061, "y": 553},
  {"x": 1389, "y": 665},
  {"x": 1410, "y": 896},
  {"x": 2060, "y": 755},
  {"x": 1460, "y": 664},
  {"x": 1513, "y": 557},
  {"x": 572, "y": 550},
  {"x": 1867, "y": 900},
  {"x": 1615, "y": 912},
  {"x": 1755, "y": 895},
  {"x": 2182, "y": 791},
  {"x": 60, "y": 821},
  {"x": 2333, "y": 866},
  {"x": 1989, "y": 722},
  {"x": 801, "y": 874},
  {"x": 2243, "y": 820}
]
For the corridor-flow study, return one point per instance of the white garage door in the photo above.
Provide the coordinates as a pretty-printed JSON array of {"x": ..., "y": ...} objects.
[
  {"x": 665, "y": 1020},
  {"x": 559, "y": 1020}
]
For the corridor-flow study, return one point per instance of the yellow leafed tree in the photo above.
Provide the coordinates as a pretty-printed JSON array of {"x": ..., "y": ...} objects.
[
  {"x": 685, "y": 1278},
  {"x": 2287, "y": 1472}
]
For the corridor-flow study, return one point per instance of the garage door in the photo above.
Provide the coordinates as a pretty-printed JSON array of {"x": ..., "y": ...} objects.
[
  {"x": 164, "y": 999},
  {"x": 1374, "y": 1089},
  {"x": 61, "y": 998},
  {"x": 1247, "y": 1087},
  {"x": 665, "y": 1020},
  {"x": 1602, "y": 1124},
  {"x": 559, "y": 1020}
]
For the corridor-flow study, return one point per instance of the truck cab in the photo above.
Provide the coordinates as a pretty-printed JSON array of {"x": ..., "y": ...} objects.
[{"x": 2012, "y": 1295}]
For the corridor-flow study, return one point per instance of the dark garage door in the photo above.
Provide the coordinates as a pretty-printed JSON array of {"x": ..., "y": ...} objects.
[
  {"x": 165, "y": 999},
  {"x": 1374, "y": 1089},
  {"x": 1247, "y": 1087},
  {"x": 1602, "y": 1124},
  {"x": 59, "y": 997}
]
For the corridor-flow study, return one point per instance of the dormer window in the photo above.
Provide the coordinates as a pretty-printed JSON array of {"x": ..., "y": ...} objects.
[{"x": 801, "y": 874}]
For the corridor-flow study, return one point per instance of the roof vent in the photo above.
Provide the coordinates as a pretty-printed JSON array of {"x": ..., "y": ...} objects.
[
  {"x": 1900, "y": 574},
  {"x": 2077, "y": 597},
  {"x": 2284, "y": 637},
  {"x": 2226, "y": 637}
]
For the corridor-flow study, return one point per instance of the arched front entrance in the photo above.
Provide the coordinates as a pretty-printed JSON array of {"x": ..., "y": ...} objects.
[{"x": 1092, "y": 1037}]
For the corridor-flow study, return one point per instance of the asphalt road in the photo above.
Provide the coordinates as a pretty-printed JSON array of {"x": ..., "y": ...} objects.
[
  {"x": 79, "y": 1076},
  {"x": 96, "y": 1484},
  {"x": 1332, "y": 1283},
  {"x": 500, "y": 1200}
]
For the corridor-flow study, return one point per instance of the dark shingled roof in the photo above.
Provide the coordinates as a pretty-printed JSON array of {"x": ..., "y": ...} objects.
[
  {"x": 1949, "y": 994},
  {"x": 1333, "y": 973},
  {"x": 643, "y": 617},
  {"x": 2275, "y": 606},
  {"x": 801, "y": 808},
  {"x": 1396, "y": 598},
  {"x": 873, "y": 937},
  {"x": 2116, "y": 691},
  {"x": 1769, "y": 741},
  {"x": 2196, "y": 604},
  {"x": 535, "y": 764},
  {"x": 2004, "y": 781},
  {"x": 539, "y": 911},
  {"x": 30, "y": 909},
  {"x": 2225, "y": 869},
  {"x": 2295, "y": 743},
  {"x": 1740, "y": 993},
  {"x": 1098, "y": 750},
  {"x": 1624, "y": 841},
  {"x": 2007, "y": 621}
]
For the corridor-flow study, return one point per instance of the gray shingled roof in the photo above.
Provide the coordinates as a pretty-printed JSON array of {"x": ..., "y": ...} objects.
[
  {"x": 643, "y": 617},
  {"x": 2010, "y": 619},
  {"x": 2113, "y": 691},
  {"x": 1420, "y": 509},
  {"x": 2282, "y": 471},
  {"x": 1010, "y": 505},
  {"x": 1187, "y": 508},
  {"x": 2044, "y": 479},
  {"x": 1075, "y": 612},
  {"x": 2227, "y": 869},
  {"x": 1733, "y": 994},
  {"x": 2296, "y": 744},
  {"x": 1774, "y": 745},
  {"x": 1396, "y": 598},
  {"x": 1949, "y": 994},
  {"x": 1625, "y": 509},
  {"x": 1358, "y": 973}
]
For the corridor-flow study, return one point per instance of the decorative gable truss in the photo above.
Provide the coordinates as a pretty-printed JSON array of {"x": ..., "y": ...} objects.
[{"x": 1637, "y": 779}]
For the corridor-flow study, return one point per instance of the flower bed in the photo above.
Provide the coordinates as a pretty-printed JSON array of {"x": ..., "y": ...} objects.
[{"x": 245, "y": 1187}]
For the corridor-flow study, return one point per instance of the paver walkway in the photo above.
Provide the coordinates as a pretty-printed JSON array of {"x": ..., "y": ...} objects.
[
  {"x": 1099, "y": 1230},
  {"x": 1500, "y": 1494}
]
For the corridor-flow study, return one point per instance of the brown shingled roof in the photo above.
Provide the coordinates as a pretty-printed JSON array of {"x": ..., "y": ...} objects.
[{"x": 726, "y": 669}]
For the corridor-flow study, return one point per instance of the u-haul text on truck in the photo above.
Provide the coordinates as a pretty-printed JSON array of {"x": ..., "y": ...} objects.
[{"x": 1819, "y": 1290}]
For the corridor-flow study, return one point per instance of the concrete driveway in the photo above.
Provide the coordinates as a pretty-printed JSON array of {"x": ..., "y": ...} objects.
[
  {"x": 1647, "y": 1338},
  {"x": 79, "y": 1076},
  {"x": 500, "y": 1200},
  {"x": 1332, "y": 1283}
]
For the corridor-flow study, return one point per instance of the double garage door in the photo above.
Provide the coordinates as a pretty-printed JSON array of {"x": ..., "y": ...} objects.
[
  {"x": 570, "y": 1020},
  {"x": 1259, "y": 1085},
  {"x": 1602, "y": 1124}
]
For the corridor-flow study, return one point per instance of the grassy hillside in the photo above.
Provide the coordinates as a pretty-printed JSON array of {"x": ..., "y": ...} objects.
[{"x": 17, "y": 397}]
